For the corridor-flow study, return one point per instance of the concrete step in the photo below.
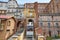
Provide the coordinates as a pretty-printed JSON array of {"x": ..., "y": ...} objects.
[{"x": 16, "y": 35}]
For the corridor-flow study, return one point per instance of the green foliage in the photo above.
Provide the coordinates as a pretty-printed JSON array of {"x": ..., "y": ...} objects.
[
  {"x": 56, "y": 37},
  {"x": 49, "y": 38}
]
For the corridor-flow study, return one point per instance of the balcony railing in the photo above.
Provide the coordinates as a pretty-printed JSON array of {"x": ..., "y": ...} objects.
[{"x": 49, "y": 14}]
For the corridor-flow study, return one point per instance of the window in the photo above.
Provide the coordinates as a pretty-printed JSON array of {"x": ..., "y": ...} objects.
[
  {"x": 41, "y": 24},
  {"x": 20, "y": 14},
  {"x": 48, "y": 19},
  {"x": 8, "y": 23},
  {"x": 48, "y": 24},
  {"x": 57, "y": 25}
]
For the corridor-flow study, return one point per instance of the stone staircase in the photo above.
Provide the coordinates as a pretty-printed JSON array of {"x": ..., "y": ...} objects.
[
  {"x": 19, "y": 35},
  {"x": 29, "y": 39}
]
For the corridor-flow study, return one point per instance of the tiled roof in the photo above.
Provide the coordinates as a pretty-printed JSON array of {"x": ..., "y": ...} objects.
[{"x": 5, "y": 17}]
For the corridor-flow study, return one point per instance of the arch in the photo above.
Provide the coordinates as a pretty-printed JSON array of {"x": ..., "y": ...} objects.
[
  {"x": 30, "y": 20},
  {"x": 18, "y": 23}
]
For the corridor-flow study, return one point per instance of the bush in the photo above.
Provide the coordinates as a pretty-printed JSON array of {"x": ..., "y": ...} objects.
[
  {"x": 49, "y": 38},
  {"x": 57, "y": 37}
]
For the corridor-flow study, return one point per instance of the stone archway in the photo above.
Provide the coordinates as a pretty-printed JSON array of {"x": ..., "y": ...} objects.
[
  {"x": 30, "y": 30},
  {"x": 30, "y": 22}
]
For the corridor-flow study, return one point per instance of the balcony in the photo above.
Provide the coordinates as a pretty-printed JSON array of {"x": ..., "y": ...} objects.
[
  {"x": 21, "y": 6},
  {"x": 49, "y": 14},
  {"x": 3, "y": 8}
]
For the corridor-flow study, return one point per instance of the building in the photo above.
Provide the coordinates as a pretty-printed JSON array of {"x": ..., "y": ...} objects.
[
  {"x": 7, "y": 26},
  {"x": 45, "y": 16},
  {"x": 49, "y": 20},
  {"x": 3, "y": 8},
  {"x": 29, "y": 15},
  {"x": 12, "y": 7},
  {"x": 20, "y": 12}
]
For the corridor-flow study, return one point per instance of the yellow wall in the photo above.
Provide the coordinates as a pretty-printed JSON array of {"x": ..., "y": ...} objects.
[
  {"x": 27, "y": 12},
  {"x": 40, "y": 38}
]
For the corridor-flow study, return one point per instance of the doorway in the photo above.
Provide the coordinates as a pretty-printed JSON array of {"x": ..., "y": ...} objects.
[
  {"x": 50, "y": 33},
  {"x": 30, "y": 25}
]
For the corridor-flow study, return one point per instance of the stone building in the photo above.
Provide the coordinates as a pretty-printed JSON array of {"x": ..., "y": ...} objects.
[
  {"x": 47, "y": 17},
  {"x": 7, "y": 26}
]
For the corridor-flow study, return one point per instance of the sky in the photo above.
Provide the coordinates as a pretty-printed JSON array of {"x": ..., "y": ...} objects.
[{"x": 30, "y": 1}]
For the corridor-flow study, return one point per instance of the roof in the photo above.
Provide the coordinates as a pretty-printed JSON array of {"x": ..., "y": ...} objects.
[
  {"x": 5, "y": 17},
  {"x": 3, "y": 2}
]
